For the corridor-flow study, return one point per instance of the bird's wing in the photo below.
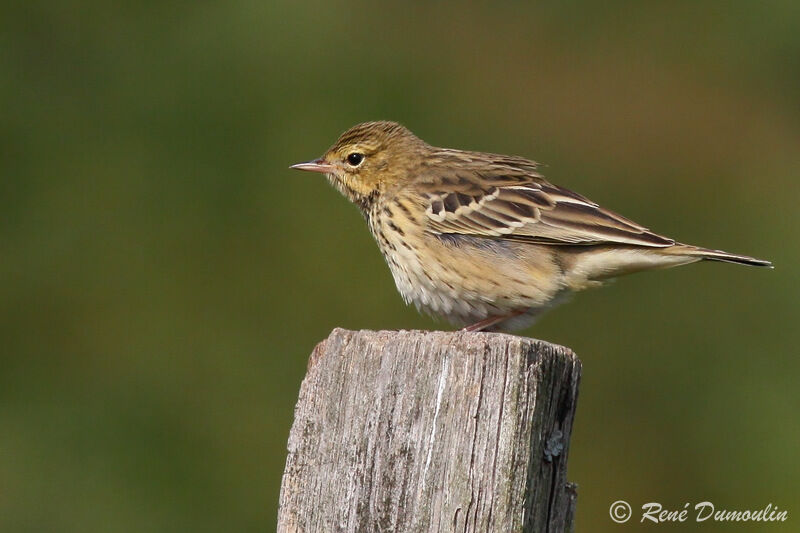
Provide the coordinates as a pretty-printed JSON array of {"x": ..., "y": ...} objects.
[{"x": 526, "y": 208}]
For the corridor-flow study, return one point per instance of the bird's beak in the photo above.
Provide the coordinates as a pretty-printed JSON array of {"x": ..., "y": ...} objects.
[{"x": 318, "y": 165}]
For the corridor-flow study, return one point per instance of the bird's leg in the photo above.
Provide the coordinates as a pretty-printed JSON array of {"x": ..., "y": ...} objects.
[
  {"x": 483, "y": 324},
  {"x": 491, "y": 321}
]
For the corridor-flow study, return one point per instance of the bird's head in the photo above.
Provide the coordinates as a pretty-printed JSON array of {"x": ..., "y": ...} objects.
[{"x": 367, "y": 159}]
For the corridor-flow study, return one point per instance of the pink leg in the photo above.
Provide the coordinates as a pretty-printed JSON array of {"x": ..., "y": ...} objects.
[{"x": 491, "y": 321}]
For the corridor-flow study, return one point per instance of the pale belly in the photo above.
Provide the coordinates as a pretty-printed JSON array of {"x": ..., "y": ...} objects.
[{"x": 467, "y": 279}]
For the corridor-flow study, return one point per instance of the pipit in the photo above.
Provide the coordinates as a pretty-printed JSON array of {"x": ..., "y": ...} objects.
[{"x": 483, "y": 239}]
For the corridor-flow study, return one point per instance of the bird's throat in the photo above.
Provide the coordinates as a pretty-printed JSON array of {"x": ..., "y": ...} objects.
[{"x": 362, "y": 196}]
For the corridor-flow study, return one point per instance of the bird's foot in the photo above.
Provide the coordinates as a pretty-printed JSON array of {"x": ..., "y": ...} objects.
[{"x": 491, "y": 321}]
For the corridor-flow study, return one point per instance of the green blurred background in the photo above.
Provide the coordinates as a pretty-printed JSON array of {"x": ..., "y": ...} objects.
[{"x": 164, "y": 276}]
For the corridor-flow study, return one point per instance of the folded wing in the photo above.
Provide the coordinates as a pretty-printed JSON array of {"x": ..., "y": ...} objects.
[{"x": 532, "y": 210}]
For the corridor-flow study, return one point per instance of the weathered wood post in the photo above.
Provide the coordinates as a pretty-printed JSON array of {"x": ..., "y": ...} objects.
[{"x": 416, "y": 431}]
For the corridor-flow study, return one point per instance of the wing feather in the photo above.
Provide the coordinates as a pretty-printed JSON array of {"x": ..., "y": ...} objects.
[{"x": 525, "y": 207}]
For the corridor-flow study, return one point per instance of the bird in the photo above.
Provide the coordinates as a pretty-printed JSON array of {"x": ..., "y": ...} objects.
[{"x": 484, "y": 240}]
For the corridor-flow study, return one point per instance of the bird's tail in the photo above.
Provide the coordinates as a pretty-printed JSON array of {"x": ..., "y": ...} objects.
[{"x": 718, "y": 255}]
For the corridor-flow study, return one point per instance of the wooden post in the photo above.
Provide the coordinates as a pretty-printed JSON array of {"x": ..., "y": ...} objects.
[{"x": 399, "y": 431}]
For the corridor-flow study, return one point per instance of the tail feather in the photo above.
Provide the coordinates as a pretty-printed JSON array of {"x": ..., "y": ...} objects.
[{"x": 719, "y": 255}]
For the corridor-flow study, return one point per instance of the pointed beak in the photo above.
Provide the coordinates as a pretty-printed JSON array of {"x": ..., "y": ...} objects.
[{"x": 318, "y": 165}]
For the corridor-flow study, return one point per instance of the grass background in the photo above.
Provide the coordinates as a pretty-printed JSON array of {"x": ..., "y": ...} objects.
[{"x": 164, "y": 276}]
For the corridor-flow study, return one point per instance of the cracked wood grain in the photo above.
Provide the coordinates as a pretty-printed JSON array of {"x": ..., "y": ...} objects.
[{"x": 416, "y": 431}]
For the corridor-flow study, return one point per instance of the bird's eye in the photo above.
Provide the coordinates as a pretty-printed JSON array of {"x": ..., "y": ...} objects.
[{"x": 355, "y": 159}]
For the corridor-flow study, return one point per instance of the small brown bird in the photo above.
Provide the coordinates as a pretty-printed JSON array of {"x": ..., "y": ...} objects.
[{"x": 484, "y": 239}]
